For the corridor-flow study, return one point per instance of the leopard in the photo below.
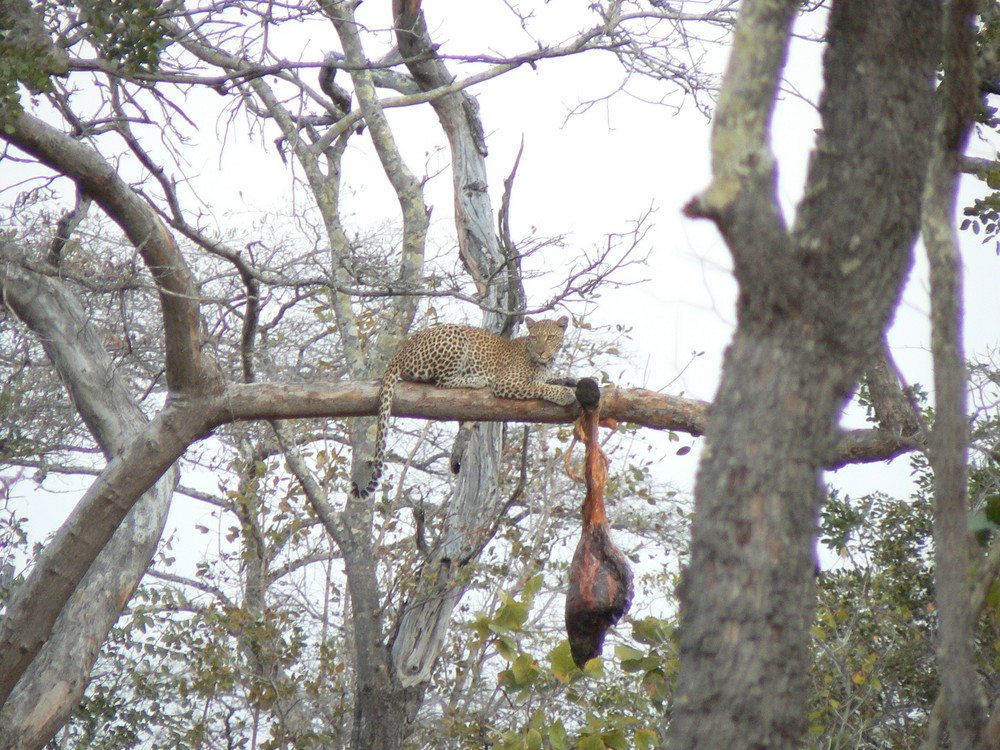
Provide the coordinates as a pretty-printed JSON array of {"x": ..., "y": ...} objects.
[{"x": 460, "y": 356}]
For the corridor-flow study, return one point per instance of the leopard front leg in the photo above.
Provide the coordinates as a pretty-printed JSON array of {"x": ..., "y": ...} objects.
[{"x": 557, "y": 394}]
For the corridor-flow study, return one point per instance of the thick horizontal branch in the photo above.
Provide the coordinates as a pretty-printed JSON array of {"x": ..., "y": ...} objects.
[
  {"x": 633, "y": 405},
  {"x": 358, "y": 399}
]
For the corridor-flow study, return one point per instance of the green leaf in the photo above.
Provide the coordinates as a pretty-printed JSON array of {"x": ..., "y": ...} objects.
[
  {"x": 615, "y": 740},
  {"x": 652, "y": 631},
  {"x": 534, "y": 585},
  {"x": 561, "y": 663},
  {"x": 656, "y": 686},
  {"x": 524, "y": 670},
  {"x": 645, "y": 739},
  {"x": 633, "y": 660},
  {"x": 594, "y": 667},
  {"x": 506, "y": 648},
  {"x": 557, "y": 736},
  {"x": 480, "y": 626},
  {"x": 591, "y": 742},
  {"x": 627, "y": 653},
  {"x": 511, "y": 615}
]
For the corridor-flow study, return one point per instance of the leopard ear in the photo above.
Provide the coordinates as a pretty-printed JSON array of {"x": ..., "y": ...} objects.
[
  {"x": 563, "y": 322},
  {"x": 529, "y": 322}
]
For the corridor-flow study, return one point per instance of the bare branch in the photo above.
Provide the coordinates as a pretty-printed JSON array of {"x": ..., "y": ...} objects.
[{"x": 744, "y": 180}]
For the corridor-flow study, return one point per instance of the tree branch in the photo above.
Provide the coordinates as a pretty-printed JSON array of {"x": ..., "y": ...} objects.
[
  {"x": 965, "y": 707},
  {"x": 69, "y": 599},
  {"x": 188, "y": 369},
  {"x": 742, "y": 198}
]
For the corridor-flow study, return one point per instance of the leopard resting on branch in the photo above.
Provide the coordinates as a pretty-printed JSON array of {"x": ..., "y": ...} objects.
[{"x": 456, "y": 356}]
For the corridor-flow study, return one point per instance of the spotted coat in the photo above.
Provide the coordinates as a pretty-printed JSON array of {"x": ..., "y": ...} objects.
[{"x": 454, "y": 356}]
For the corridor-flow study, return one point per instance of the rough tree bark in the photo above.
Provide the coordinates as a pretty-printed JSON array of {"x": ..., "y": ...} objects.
[
  {"x": 812, "y": 308},
  {"x": 476, "y": 501},
  {"x": 56, "y": 678},
  {"x": 965, "y": 707},
  {"x": 33, "y": 610},
  {"x": 383, "y": 710}
]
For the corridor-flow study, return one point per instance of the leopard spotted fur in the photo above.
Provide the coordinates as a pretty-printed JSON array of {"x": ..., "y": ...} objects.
[{"x": 454, "y": 356}]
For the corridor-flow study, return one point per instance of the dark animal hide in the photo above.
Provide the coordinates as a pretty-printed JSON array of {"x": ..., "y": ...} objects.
[
  {"x": 600, "y": 592},
  {"x": 600, "y": 580}
]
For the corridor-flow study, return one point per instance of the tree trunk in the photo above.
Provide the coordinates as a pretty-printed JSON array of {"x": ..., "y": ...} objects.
[
  {"x": 813, "y": 306},
  {"x": 965, "y": 712},
  {"x": 135, "y": 465},
  {"x": 54, "y": 681},
  {"x": 424, "y": 622}
]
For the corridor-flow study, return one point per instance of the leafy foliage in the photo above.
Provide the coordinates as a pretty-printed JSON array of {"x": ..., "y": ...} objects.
[
  {"x": 127, "y": 31},
  {"x": 874, "y": 681},
  {"x": 24, "y": 59}
]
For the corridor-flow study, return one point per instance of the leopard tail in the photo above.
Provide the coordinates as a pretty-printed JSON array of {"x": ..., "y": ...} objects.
[{"x": 386, "y": 394}]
